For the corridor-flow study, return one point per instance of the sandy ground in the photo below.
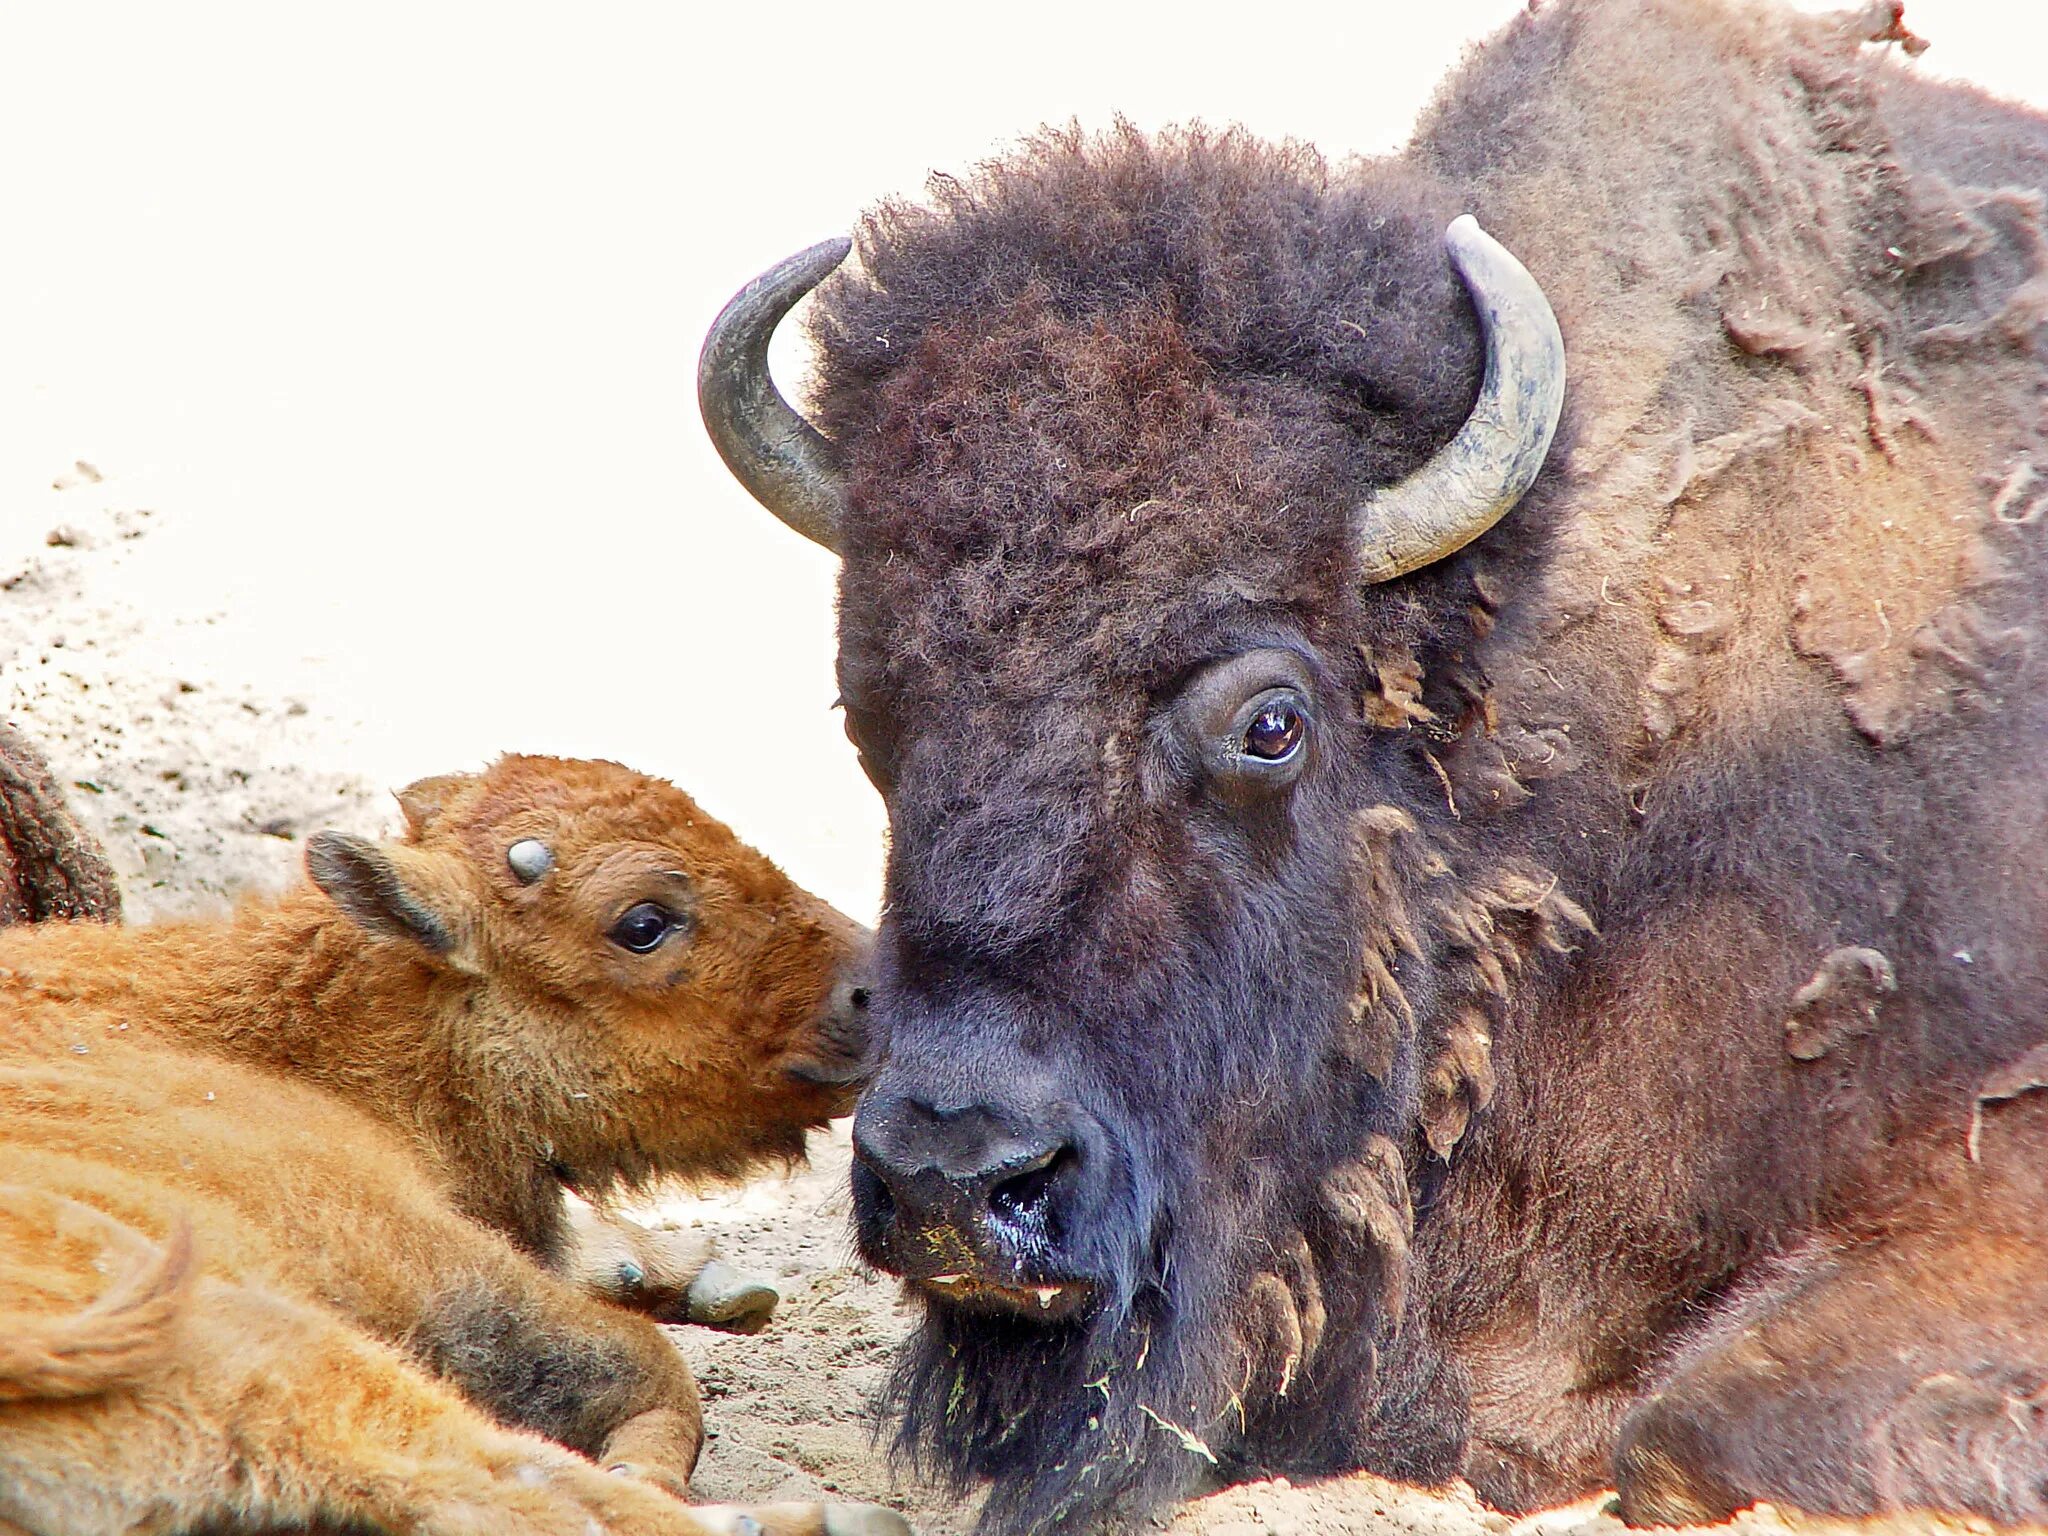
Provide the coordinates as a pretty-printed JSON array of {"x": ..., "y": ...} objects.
[{"x": 202, "y": 784}]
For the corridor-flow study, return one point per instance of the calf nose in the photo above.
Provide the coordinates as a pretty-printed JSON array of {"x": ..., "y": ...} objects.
[
  {"x": 945, "y": 1187},
  {"x": 838, "y": 1052},
  {"x": 845, "y": 1019}
]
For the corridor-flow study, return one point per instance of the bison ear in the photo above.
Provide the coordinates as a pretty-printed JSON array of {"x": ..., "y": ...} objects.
[
  {"x": 395, "y": 892},
  {"x": 424, "y": 799}
]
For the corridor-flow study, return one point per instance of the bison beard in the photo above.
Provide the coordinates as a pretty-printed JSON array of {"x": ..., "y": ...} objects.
[
  {"x": 1172, "y": 1375},
  {"x": 1062, "y": 1420},
  {"x": 1317, "y": 1081}
]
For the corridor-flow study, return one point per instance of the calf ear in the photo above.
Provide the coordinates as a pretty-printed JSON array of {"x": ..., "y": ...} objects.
[
  {"x": 390, "y": 891},
  {"x": 424, "y": 799}
]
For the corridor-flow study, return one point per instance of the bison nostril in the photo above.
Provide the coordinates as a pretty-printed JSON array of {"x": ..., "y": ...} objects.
[
  {"x": 1022, "y": 1198},
  {"x": 871, "y": 1194},
  {"x": 858, "y": 997}
]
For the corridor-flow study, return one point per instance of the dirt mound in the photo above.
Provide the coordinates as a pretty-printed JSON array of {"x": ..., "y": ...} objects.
[
  {"x": 49, "y": 866},
  {"x": 196, "y": 788}
]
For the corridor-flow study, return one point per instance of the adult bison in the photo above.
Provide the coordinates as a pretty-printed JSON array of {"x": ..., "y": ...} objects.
[{"x": 1556, "y": 1007}]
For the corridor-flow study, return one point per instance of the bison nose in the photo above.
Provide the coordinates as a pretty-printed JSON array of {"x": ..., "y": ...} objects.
[{"x": 943, "y": 1189}]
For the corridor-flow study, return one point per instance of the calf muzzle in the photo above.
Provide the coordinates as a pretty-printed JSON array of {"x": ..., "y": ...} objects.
[{"x": 837, "y": 1056}]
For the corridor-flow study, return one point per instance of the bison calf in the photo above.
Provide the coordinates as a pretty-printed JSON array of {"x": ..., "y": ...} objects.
[{"x": 282, "y": 1232}]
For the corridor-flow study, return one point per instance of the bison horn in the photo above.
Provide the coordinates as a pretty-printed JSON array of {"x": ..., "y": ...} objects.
[
  {"x": 777, "y": 455},
  {"x": 1475, "y": 478},
  {"x": 1467, "y": 487}
]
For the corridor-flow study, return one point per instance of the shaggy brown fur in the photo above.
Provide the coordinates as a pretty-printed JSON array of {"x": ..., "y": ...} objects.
[
  {"x": 272, "y": 1190},
  {"x": 49, "y": 865},
  {"x": 1662, "y": 898}
]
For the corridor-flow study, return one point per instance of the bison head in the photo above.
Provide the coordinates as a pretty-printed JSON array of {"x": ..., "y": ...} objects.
[{"x": 1130, "y": 450}]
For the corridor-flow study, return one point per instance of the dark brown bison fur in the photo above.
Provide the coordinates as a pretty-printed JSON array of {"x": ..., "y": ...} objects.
[
  {"x": 281, "y": 1225},
  {"x": 49, "y": 865},
  {"x": 1386, "y": 1156}
]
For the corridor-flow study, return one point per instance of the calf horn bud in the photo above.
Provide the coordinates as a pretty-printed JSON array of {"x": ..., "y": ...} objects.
[
  {"x": 778, "y": 456},
  {"x": 530, "y": 858},
  {"x": 1475, "y": 478}
]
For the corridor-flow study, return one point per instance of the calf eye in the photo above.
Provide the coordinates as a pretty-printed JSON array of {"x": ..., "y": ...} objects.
[
  {"x": 1275, "y": 732},
  {"x": 642, "y": 928}
]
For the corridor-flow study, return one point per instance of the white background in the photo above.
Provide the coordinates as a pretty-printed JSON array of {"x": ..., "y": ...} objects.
[{"x": 394, "y": 310}]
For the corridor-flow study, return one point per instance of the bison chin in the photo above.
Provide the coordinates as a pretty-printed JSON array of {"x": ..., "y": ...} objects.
[
  {"x": 1157, "y": 1246},
  {"x": 1229, "y": 1359},
  {"x": 1075, "y": 1423}
]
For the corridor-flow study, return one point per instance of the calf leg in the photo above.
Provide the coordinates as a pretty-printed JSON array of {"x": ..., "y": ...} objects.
[
  {"x": 535, "y": 1352},
  {"x": 1908, "y": 1374},
  {"x": 540, "y": 1353}
]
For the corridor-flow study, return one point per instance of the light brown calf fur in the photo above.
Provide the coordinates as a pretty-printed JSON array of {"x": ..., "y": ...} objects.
[{"x": 280, "y": 1196}]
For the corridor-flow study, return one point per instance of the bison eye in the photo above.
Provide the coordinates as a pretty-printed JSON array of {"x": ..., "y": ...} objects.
[
  {"x": 643, "y": 927},
  {"x": 1275, "y": 732},
  {"x": 1246, "y": 724},
  {"x": 1266, "y": 747},
  {"x": 872, "y": 762}
]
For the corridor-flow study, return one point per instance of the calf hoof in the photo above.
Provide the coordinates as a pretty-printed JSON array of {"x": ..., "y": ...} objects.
[
  {"x": 723, "y": 1298},
  {"x": 644, "y": 1472},
  {"x": 659, "y": 1446},
  {"x": 804, "y": 1520}
]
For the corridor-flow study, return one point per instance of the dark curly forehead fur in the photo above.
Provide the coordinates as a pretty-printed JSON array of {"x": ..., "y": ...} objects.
[{"x": 1164, "y": 368}]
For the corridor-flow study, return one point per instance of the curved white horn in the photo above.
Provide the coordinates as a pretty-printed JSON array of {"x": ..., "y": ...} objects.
[
  {"x": 782, "y": 459},
  {"x": 1475, "y": 478}
]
